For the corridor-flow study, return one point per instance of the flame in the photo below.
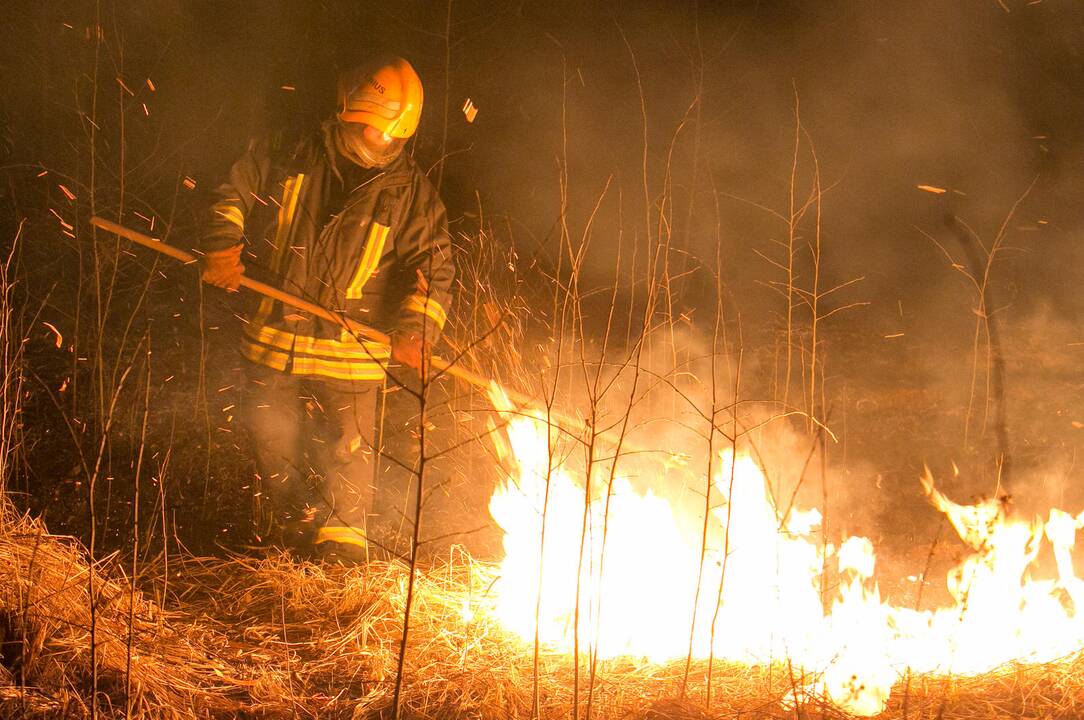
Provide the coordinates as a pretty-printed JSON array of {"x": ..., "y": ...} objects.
[{"x": 620, "y": 573}]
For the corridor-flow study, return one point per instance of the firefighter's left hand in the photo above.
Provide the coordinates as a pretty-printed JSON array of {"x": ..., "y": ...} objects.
[{"x": 410, "y": 350}]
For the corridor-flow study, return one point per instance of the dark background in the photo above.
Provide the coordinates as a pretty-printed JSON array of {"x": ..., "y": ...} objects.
[
  {"x": 980, "y": 98},
  {"x": 966, "y": 96}
]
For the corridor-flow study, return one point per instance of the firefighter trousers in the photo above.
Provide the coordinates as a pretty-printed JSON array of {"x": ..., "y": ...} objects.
[{"x": 315, "y": 443}]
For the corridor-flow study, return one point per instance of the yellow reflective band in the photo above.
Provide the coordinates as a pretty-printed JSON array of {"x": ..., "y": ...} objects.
[
  {"x": 347, "y": 347},
  {"x": 427, "y": 306},
  {"x": 291, "y": 190},
  {"x": 231, "y": 213},
  {"x": 338, "y": 369},
  {"x": 264, "y": 356},
  {"x": 374, "y": 248},
  {"x": 347, "y": 535},
  {"x": 356, "y": 370}
]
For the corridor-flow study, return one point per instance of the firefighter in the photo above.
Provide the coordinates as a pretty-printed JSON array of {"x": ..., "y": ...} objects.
[{"x": 345, "y": 218}]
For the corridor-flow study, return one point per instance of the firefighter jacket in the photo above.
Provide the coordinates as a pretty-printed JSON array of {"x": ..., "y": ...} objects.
[{"x": 371, "y": 244}]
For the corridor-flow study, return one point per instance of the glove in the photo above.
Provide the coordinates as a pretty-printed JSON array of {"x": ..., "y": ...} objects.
[
  {"x": 223, "y": 268},
  {"x": 410, "y": 351}
]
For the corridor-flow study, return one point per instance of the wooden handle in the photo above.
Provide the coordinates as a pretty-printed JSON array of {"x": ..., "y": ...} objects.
[
  {"x": 246, "y": 282},
  {"x": 440, "y": 365}
]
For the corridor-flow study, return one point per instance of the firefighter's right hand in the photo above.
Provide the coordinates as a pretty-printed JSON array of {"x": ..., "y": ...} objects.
[{"x": 223, "y": 268}]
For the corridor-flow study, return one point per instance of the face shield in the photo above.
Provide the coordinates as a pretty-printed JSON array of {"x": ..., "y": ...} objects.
[{"x": 366, "y": 145}]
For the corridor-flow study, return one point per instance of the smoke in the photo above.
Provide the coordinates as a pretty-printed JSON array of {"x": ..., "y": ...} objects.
[
  {"x": 657, "y": 403},
  {"x": 969, "y": 98},
  {"x": 888, "y": 97},
  {"x": 629, "y": 127}
]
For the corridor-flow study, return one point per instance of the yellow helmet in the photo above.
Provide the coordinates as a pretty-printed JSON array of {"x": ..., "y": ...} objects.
[{"x": 385, "y": 93}]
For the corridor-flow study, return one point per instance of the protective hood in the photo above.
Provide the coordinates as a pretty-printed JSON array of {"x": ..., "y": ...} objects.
[{"x": 349, "y": 140}]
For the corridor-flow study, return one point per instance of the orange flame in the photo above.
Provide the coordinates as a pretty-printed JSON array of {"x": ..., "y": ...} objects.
[{"x": 621, "y": 577}]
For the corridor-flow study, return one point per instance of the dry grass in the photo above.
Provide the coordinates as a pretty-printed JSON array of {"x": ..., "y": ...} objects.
[{"x": 276, "y": 638}]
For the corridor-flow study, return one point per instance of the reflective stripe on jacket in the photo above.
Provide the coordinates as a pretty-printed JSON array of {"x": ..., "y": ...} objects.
[{"x": 382, "y": 256}]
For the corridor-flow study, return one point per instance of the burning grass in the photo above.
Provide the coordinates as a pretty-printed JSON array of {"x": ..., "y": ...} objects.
[{"x": 276, "y": 638}]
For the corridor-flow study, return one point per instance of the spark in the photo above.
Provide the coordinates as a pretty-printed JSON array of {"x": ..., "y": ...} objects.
[
  {"x": 63, "y": 222},
  {"x": 59, "y": 337},
  {"x": 470, "y": 111}
]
